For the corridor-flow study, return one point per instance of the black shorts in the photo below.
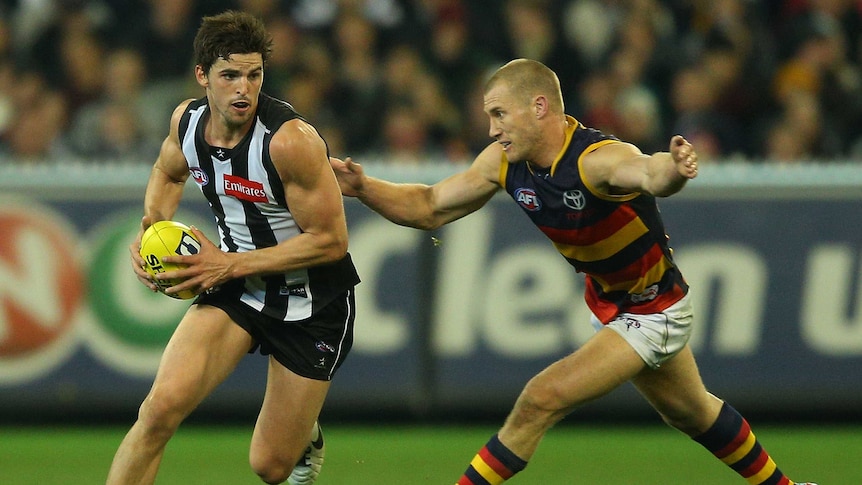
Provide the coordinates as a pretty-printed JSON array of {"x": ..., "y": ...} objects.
[{"x": 314, "y": 348}]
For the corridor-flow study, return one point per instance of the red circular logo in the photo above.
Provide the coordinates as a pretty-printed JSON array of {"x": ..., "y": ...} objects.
[{"x": 41, "y": 282}]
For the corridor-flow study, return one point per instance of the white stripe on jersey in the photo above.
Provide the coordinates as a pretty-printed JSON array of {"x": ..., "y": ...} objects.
[
  {"x": 279, "y": 220},
  {"x": 296, "y": 283},
  {"x": 343, "y": 334}
]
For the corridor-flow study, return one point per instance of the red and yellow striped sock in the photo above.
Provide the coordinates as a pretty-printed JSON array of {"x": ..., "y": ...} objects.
[
  {"x": 493, "y": 465},
  {"x": 730, "y": 439}
]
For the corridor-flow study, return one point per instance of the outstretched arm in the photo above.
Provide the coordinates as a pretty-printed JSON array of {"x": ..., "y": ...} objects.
[
  {"x": 423, "y": 206},
  {"x": 621, "y": 168}
]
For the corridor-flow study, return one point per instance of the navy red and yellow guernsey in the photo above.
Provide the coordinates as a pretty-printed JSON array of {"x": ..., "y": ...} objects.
[{"x": 619, "y": 242}]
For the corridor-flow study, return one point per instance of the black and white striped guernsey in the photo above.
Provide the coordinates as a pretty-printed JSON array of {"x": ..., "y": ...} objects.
[{"x": 246, "y": 196}]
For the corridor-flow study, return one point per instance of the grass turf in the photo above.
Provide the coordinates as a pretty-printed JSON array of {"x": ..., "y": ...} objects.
[{"x": 381, "y": 455}]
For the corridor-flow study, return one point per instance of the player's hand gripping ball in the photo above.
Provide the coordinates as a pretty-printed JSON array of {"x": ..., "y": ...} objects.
[{"x": 167, "y": 238}]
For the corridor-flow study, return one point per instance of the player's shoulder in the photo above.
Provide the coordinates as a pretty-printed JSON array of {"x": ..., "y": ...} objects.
[
  {"x": 177, "y": 119},
  {"x": 296, "y": 134},
  {"x": 181, "y": 110},
  {"x": 296, "y": 146},
  {"x": 489, "y": 162},
  {"x": 273, "y": 112},
  {"x": 186, "y": 104}
]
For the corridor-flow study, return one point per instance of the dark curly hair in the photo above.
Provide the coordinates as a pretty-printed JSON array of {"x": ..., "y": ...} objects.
[{"x": 230, "y": 32}]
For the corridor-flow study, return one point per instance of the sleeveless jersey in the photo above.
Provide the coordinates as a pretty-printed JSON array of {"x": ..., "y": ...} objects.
[
  {"x": 619, "y": 242},
  {"x": 246, "y": 196}
]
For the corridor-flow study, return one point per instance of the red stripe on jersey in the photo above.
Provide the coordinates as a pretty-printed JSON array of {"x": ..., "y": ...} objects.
[
  {"x": 734, "y": 445},
  {"x": 755, "y": 467},
  {"x": 606, "y": 310},
  {"x": 495, "y": 464},
  {"x": 636, "y": 270},
  {"x": 589, "y": 235}
]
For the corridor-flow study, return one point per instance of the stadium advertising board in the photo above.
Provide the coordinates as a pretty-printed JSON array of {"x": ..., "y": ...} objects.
[{"x": 457, "y": 319}]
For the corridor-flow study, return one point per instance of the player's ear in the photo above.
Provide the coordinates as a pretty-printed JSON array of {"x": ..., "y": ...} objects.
[
  {"x": 201, "y": 76},
  {"x": 540, "y": 106}
]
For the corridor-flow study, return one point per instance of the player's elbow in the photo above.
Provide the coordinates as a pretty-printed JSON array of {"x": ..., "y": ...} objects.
[
  {"x": 428, "y": 223},
  {"x": 335, "y": 248},
  {"x": 661, "y": 193},
  {"x": 667, "y": 190},
  {"x": 437, "y": 218},
  {"x": 428, "y": 215},
  {"x": 663, "y": 187}
]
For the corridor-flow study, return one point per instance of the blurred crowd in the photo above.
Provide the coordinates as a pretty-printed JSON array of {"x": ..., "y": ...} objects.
[{"x": 401, "y": 80}]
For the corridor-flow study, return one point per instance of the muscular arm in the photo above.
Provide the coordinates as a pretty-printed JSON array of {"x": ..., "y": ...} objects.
[
  {"x": 621, "y": 168},
  {"x": 312, "y": 194},
  {"x": 164, "y": 190},
  {"x": 168, "y": 177},
  {"x": 311, "y": 190},
  {"x": 424, "y": 206}
]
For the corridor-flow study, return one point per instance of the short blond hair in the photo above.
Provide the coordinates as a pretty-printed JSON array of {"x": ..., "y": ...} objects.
[{"x": 529, "y": 78}]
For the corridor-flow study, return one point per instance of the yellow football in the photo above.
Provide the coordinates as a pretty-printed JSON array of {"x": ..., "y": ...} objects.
[{"x": 168, "y": 238}]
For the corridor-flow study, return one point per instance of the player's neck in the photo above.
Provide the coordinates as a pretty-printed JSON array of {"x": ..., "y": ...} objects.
[
  {"x": 552, "y": 144},
  {"x": 223, "y": 135}
]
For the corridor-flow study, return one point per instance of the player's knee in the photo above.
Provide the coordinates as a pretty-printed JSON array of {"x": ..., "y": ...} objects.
[
  {"x": 272, "y": 477},
  {"x": 691, "y": 420},
  {"x": 271, "y": 468},
  {"x": 543, "y": 399},
  {"x": 691, "y": 413},
  {"x": 271, "y": 472},
  {"x": 159, "y": 416},
  {"x": 688, "y": 424}
]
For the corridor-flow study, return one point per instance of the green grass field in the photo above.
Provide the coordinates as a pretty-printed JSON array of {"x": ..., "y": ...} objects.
[{"x": 379, "y": 455}]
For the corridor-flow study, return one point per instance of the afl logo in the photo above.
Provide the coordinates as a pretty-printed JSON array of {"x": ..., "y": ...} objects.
[
  {"x": 199, "y": 175},
  {"x": 528, "y": 199},
  {"x": 574, "y": 199}
]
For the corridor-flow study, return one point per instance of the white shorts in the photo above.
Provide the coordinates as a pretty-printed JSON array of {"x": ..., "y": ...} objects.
[{"x": 656, "y": 337}]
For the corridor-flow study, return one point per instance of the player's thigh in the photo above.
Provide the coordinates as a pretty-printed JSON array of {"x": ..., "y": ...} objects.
[
  {"x": 290, "y": 406},
  {"x": 204, "y": 349},
  {"x": 677, "y": 392},
  {"x": 601, "y": 365}
]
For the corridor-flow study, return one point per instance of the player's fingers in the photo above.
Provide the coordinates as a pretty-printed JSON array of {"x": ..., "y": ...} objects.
[
  {"x": 202, "y": 238},
  {"x": 149, "y": 283},
  {"x": 146, "y": 221},
  {"x": 138, "y": 263},
  {"x": 177, "y": 259},
  {"x": 351, "y": 165},
  {"x": 143, "y": 276},
  {"x": 188, "y": 284},
  {"x": 184, "y": 274},
  {"x": 135, "y": 253}
]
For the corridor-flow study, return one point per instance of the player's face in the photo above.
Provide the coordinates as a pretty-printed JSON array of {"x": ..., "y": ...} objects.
[
  {"x": 233, "y": 86},
  {"x": 512, "y": 123}
]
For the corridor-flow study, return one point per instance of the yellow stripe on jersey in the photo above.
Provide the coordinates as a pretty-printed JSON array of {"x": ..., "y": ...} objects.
[
  {"x": 504, "y": 169},
  {"x": 637, "y": 286},
  {"x": 607, "y": 247},
  {"x": 486, "y": 471},
  {"x": 591, "y": 187},
  {"x": 740, "y": 452},
  {"x": 571, "y": 125},
  {"x": 764, "y": 473}
]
